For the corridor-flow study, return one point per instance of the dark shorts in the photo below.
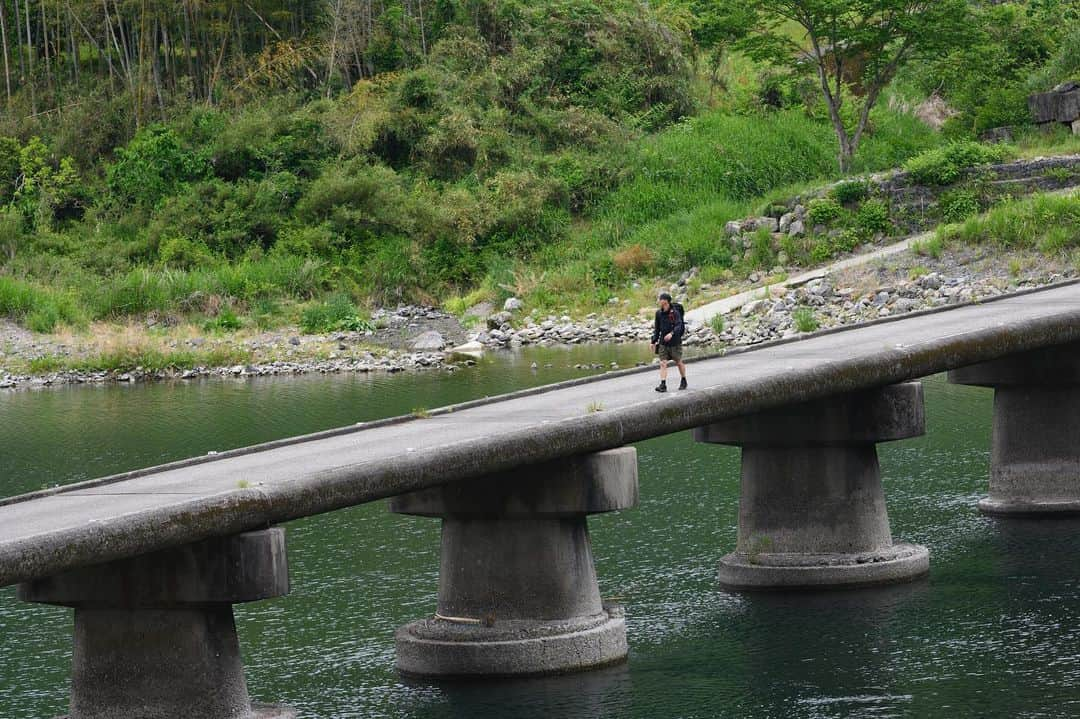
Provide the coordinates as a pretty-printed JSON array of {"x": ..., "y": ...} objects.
[{"x": 671, "y": 353}]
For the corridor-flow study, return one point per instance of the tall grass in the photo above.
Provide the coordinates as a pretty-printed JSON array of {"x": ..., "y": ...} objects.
[
  {"x": 40, "y": 309},
  {"x": 145, "y": 289},
  {"x": 1048, "y": 223},
  {"x": 149, "y": 359}
]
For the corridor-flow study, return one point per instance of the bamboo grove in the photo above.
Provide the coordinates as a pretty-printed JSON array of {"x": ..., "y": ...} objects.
[{"x": 195, "y": 50}]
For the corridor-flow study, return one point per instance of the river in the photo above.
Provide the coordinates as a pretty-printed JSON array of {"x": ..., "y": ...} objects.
[{"x": 993, "y": 631}]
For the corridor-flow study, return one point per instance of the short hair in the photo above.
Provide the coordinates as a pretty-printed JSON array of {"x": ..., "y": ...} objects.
[{"x": 665, "y": 296}]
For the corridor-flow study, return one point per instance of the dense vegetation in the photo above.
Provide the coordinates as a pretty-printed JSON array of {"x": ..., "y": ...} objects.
[{"x": 227, "y": 161}]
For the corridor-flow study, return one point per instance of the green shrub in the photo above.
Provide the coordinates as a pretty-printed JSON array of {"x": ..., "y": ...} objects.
[
  {"x": 847, "y": 240},
  {"x": 337, "y": 314},
  {"x": 958, "y": 205},
  {"x": 184, "y": 253},
  {"x": 823, "y": 211},
  {"x": 226, "y": 320},
  {"x": 850, "y": 191},
  {"x": 717, "y": 323},
  {"x": 872, "y": 218},
  {"x": 822, "y": 251},
  {"x": 154, "y": 165},
  {"x": 944, "y": 165},
  {"x": 804, "y": 318}
]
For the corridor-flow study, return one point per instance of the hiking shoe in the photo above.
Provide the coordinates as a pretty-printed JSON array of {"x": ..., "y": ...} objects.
[
  {"x": 662, "y": 387},
  {"x": 682, "y": 384}
]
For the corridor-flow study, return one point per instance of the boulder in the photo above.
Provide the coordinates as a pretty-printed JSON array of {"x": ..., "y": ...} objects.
[
  {"x": 469, "y": 349},
  {"x": 499, "y": 319},
  {"x": 753, "y": 224},
  {"x": 430, "y": 341},
  {"x": 482, "y": 310},
  {"x": 785, "y": 221},
  {"x": 796, "y": 228},
  {"x": 732, "y": 228},
  {"x": 512, "y": 304}
]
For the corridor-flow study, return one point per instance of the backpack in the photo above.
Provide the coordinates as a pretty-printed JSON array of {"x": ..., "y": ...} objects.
[{"x": 682, "y": 315}]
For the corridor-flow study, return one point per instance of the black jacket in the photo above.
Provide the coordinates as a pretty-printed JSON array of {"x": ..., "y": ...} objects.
[{"x": 670, "y": 321}]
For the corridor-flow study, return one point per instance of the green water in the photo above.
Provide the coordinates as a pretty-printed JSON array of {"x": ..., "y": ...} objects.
[{"x": 994, "y": 631}]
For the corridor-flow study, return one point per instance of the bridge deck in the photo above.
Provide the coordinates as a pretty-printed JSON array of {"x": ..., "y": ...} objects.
[{"x": 130, "y": 514}]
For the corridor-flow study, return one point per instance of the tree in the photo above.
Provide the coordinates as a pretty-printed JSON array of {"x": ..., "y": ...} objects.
[{"x": 855, "y": 47}]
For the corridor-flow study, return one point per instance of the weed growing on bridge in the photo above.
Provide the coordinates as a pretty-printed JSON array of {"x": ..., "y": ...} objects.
[
  {"x": 595, "y": 407},
  {"x": 243, "y": 484},
  {"x": 421, "y": 412},
  {"x": 805, "y": 321}
]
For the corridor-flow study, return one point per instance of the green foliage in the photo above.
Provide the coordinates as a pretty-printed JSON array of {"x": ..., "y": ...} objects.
[
  {"x": 872, "y": 217},
  {"x": 1048, "y": 223},
  {"x": 852, "y": 43},
  {"x": 154, "y": 165},
  {"x": 1013, "y": 49},
  {"x": 804, "y": 318},
  {"x": 226, "y": 321},
  {"x": 822, "y": 251},
  {"x": 823, "y": 211},
  {"x": 849, "y": 191},
  {"x": 717, "y": 323},
  {"x": 933, "y": 247},
  {"x": 958, "y": 205},
  {"x": 338, "y": 313},
  {"x": 39, "y": 308},
  {"x": 944, "y": 165}
]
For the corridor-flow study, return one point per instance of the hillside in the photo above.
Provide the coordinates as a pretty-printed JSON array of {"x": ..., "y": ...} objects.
[{"x": 214, "y": 167}]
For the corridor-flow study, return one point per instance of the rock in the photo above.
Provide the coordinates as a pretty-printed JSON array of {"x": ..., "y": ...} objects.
[
  {"x": 820, "y": 229},
  {"x": 512, "y": 304},
  {"x": 753, "y": 224},
  {"x": 753, "y": 307},
  {"x": 782, "y": 258},
  {"x": 294, "y": 341},
  {"x": 430, "y": 341},
  {"x": 796, "y": 228},
  {"x": 482, "y": 310},
  {"x": 785, "y": 221},
  {"x": 905, "y": 304},
  {"x": 498, "y": 320},
  {"x": 732, "y": 228}
]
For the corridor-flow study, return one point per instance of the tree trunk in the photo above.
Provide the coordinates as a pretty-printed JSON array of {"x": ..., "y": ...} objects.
[
  {"x": 30, "y": 58},
  {"x": 3, "y": 38}
]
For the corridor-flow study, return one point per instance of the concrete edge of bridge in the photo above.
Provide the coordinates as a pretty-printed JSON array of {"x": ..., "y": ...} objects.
[{"x": 449, "y": 409}]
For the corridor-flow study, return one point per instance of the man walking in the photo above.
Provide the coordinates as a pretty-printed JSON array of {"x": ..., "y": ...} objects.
[{"x": 667, "y": 337}]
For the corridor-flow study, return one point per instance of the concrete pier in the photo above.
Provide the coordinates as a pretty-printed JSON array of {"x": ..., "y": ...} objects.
[
  {"x": 155, "y": 636},
  {"x": 517, "y": 588},
  {"x": 1035, "y": 460},
  {"x": 812, "y": 509}
]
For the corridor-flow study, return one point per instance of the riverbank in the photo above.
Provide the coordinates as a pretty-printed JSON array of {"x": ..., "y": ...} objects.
[
  {"x": 905, "y": 282},
  {"x": 1018, "y": 245}
]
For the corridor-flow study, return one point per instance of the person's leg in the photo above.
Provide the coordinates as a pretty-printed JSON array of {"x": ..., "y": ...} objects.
[
  {"x": 663, "y": 370},
  {"x": 682, "y": 369}
]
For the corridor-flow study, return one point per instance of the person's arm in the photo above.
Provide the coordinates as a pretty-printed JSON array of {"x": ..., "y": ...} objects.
[
  {"x": 656, "y": 329},
  {"x": 680, "y": 327}
]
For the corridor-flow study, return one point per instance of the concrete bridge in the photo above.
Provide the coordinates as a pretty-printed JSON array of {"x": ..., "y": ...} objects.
[{"x": 153, "y": 560}]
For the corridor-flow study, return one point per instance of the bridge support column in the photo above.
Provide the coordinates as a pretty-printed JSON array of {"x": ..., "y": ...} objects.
[
  {"x": 812, "y": 509},
  {"x": 1035, "y": 460},
  {"x": 517, "y": 587},
  {"x": 155, "y": 636}
]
